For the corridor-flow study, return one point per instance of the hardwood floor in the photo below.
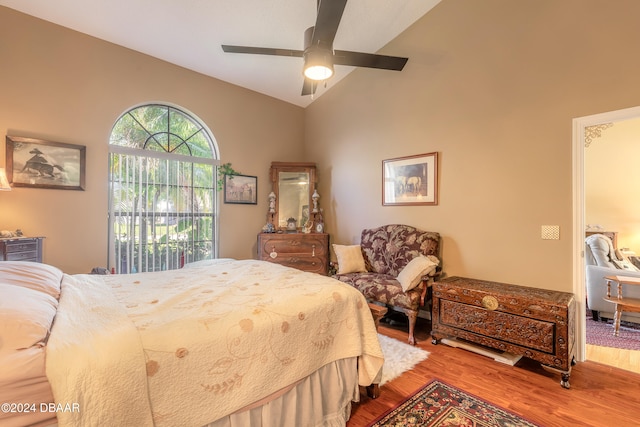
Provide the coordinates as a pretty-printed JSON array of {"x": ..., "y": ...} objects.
[
  {"x": 616, "y": 357},
  {"x": 599, "y": 396}
]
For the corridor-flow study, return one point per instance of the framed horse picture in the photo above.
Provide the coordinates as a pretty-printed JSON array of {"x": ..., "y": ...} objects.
[
  {"x": 410, "y": 180},
  {"x": 45, "y": 164},
  {"x": 241, "y": 189}
]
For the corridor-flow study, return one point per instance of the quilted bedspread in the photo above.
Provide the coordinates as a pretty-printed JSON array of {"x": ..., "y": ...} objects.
[{"x": 189, "y": 346}]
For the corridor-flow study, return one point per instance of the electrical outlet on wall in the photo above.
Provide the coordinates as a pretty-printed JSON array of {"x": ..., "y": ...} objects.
[{"x": 550, "y": 232}]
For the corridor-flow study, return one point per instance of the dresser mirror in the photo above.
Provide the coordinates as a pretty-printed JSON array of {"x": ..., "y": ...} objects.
[{"x": 293, "y": 186}]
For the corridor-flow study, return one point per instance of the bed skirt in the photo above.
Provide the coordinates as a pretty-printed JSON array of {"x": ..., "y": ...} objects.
[{"x": 321, "y": 399}]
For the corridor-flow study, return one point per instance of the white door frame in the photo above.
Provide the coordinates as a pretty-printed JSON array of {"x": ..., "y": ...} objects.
[{"x": 579, "y": 289}]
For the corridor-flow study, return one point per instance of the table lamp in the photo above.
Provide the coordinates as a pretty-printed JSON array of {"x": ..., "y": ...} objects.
[{"x": 4, "y": 182}]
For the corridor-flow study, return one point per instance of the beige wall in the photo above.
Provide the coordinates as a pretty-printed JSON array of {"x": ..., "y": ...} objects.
[
  {"x": 612, "y": 182},
  {"x": 60, "y": 85},
  {"x": 493, "y": 86}
]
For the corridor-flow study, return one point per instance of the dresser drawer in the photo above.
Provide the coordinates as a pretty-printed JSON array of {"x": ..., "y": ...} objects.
[
  {"x": 307, "y": 252},
  {"x": 509, "y": 328},
  {"x": 22, "y": 256},
  {"x": 21, "y": 246},
  {"x": 310, "y": 264},
  {"x": 308, "y": 247}
]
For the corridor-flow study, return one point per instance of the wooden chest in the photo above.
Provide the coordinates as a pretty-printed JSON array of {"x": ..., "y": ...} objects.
[
  {"x": 536, "y": 323},
  {"x": 21, "y": 249},
  {"x": 307, "y": 252}
]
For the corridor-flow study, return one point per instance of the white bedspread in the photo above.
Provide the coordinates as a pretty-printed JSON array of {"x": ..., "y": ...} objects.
[{"x": 200, "y": 342}]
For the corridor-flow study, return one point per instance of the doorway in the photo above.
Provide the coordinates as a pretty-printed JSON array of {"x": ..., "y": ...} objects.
[{"x": 580, "y": 126}]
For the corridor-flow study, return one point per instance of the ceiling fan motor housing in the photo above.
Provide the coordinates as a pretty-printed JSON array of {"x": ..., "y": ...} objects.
[{"x": 318, "y": 58}]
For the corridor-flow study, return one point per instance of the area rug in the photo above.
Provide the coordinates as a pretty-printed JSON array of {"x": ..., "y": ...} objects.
[
  {"x": 439, "y": 404},
  {"x": 601, "y": 334},
  {"x": 398, "y": 357}
]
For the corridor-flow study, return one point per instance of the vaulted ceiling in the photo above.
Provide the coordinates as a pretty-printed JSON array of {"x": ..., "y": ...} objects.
[{"x": 189, "y": 33}]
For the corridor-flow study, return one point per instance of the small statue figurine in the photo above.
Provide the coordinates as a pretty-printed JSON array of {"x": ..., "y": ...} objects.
[
  {"x": 268, "y": 228},
  {"x": 315, "y": 198},
  {"x": 272, "y": 202}
]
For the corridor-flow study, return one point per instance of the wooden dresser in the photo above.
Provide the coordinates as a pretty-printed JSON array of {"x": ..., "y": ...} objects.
[
  {"x": 307, "y": 252},
  {"x": 535, "y": 323},
  {"x": 21, "y": 249}
]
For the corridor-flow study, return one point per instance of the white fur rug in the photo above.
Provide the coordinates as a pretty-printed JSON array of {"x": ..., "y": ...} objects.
[{"x": 398, "y": 357}]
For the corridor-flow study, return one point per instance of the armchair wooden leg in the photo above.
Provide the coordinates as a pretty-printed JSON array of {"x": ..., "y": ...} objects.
[{"x": 413, "y": 317}]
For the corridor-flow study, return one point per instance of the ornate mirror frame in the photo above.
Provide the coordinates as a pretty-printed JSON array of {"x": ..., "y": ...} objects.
[{"x": 288, "y": 203}]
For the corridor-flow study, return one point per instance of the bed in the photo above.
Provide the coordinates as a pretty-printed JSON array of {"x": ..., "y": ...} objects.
[{"x": 218, "y": 342}]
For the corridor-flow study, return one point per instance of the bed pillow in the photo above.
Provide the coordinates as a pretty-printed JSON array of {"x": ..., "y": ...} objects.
[
  {"x": 412, "y": 273},
  {"x": 26, "y": 316},
  {"x": 33, "y": 275},
  {"x": 349, "y": 258}
]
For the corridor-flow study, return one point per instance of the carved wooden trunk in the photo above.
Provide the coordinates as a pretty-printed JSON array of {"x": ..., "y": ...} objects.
[
  {"x": 307, "y": 252},
  {"x": 536, "y": 323}
]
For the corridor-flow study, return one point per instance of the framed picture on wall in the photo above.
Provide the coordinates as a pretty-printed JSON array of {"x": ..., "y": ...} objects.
[
  {"x": 45, "y": 164},
  {"x": 242, "y": 189},
  {"x": 410, "y": 180}
]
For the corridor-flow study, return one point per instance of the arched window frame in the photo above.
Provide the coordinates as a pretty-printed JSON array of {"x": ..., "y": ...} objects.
[{"x": 163, "y": 238}]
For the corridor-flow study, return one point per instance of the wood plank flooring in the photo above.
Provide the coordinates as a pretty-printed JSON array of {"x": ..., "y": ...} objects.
[
  {"x": 617, "y": 357},
  {"x": 600, "y": 395}
]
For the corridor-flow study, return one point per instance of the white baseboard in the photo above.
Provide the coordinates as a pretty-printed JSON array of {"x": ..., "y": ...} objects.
[{"x": 498, "y": 356}]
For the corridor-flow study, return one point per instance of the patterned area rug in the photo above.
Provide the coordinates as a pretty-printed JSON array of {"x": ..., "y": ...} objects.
[
  {"x": 601, "y": 334},
  {"x": 440, "y": 405}
]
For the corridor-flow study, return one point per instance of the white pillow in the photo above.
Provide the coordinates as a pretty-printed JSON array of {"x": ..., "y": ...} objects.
[
  {"x": 349, "y": 258},
  {"x": 26, "y": 316},
  {"x": 33, "y": 275},
  {"x": 412, "y": 273}
]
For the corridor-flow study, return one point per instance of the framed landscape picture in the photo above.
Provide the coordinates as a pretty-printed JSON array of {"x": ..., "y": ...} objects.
[
  {"x": 242, "y": 189},
  {"x": 45, "y": 164},
  {"x": 410, "y": 180}
]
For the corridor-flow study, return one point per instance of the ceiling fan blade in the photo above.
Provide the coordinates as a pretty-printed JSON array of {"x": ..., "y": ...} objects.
[
  {"x": 327, "y": 21},
  {"x": 261, "y": 50},
  {"x": 369, "y": 60},
  {"x": 309, "y": 87}
]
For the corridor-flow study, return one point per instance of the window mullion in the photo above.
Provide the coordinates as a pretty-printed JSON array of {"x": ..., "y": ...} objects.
[
  {"x": 167, "y": 234},
  {"x": 130, "y": 202}
]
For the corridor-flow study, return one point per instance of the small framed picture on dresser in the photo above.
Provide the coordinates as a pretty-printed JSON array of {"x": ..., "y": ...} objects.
[{"x": 45, "y": 164}]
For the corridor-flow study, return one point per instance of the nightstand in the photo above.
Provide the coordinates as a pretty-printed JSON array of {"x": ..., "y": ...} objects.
[{"x": 21, "y": 249}]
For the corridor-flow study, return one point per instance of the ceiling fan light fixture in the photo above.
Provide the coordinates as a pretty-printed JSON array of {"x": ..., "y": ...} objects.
[{"x": 318, "y": 64}]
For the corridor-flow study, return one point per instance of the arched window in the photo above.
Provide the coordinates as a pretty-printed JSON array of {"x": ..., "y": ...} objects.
[{"x": 162, "y": 195}]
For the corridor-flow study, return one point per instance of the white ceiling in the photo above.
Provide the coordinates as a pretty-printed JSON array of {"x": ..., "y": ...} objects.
[{"x": 189, "y": 33}]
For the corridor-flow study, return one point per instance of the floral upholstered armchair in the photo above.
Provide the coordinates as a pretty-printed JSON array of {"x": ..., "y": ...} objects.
[{"x": 393, "y": 265}]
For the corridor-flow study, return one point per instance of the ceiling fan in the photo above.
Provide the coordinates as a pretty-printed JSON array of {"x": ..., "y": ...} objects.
[{"x": 319, "y": 55}]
